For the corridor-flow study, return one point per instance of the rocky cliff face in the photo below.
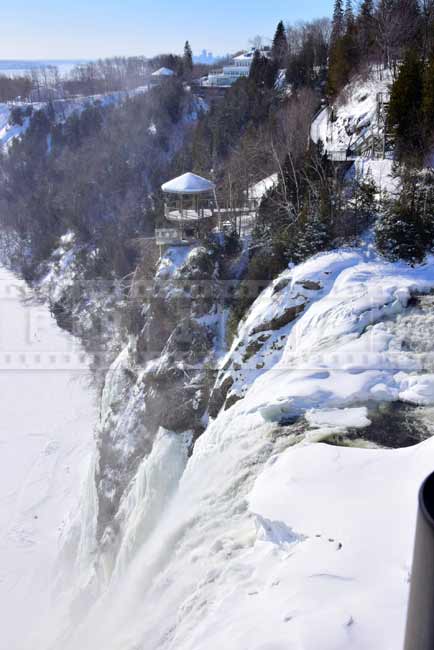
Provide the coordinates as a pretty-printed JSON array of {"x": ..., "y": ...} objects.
[{"x": 160, "y": 379}]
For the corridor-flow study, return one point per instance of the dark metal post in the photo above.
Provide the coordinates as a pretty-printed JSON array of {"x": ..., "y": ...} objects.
[{"x": 420, "y": 617}]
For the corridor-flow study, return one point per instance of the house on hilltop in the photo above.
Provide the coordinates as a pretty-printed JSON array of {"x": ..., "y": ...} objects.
[{"x": 240, "y": 67}]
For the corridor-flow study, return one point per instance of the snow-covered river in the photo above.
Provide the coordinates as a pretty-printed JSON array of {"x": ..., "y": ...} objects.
[{"x": 47, "y": 414}]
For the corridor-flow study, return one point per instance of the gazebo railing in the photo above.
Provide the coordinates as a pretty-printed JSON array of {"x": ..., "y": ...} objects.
[{"x": 189, "y": 208}]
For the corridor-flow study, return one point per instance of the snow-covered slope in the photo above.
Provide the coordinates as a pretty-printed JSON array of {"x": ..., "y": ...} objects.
[
  {"x": 353, "y": 119},
  {"x": 8, "y": 131},
  {"x": 63, "y": 108},
  {"x": 354, "y": 125},
  {"x": 343, "y": 351}
]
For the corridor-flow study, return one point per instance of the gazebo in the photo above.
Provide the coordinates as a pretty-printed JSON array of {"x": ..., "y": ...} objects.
[{"x": 190, "y": 204}]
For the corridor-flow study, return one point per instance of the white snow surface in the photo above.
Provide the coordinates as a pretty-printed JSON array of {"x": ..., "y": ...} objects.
[
  {"x": 48, "y": 412},
  {"x": 341, "y": 573},
  {"x": 258, "y": 190},
  {"x": 341, "y": 353},
  {"x": 378, "y": 170}
]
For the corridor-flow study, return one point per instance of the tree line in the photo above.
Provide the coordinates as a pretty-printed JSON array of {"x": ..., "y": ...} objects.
[
  {"x": 379, "y": 32},
  {"x": 45, "y": 83}
]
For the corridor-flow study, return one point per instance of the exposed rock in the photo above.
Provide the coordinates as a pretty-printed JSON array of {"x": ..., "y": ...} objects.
[
  {"x": 189, "y": 341},
  {"x": 252, "y": 349},
  {"x": 309, "y": 285},
  {"x": 218, "y": 396},
  {"x": 231, "y": 400},
  {"x": 280, "y": 285},
  {"x": 278, "y": 322}
]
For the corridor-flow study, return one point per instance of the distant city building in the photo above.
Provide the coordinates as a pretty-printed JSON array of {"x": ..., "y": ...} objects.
[
  {"x": 239, "y": 68},
  {"x": 205, "y": 57}
]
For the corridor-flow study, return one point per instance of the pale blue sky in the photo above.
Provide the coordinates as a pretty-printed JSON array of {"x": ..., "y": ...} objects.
[{"x": 50, "y": 29}]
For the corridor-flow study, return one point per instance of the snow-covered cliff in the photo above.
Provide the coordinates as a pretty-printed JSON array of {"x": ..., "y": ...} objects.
[{"x": 261, "y": 535}]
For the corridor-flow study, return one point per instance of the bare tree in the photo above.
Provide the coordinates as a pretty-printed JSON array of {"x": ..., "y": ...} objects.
[
  {"x": 427, "y": 25},
  {"x": 396, "y": 29},
  {"x": 257, "y": 42}
]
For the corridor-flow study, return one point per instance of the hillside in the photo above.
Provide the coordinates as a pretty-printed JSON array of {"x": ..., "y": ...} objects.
[{"x": 63, "y": 108}]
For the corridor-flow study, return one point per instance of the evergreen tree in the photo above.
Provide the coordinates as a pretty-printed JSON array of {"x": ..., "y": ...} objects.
[
  {"x": 428, "y": 98},
  {"x": 349, "y": 15},
  {"x": 187, "y": 59},
  {"x": 263, "y": 71},
  {"x": 344, "y": 57},
  {"x": 344, "y": 53},
  {"x": 255, "y": 73},
  {"x": 367, "y": 10},
  {"x": 408, "y": 13},
  {"x": 338, "y": 22},
  {"x": 363, "y": 203},
  {"x": 405, "y": 108},
  {"x": 16, "y": 116},
  {"x": 312, "y": 236},
  {"x": 279, "y": 49},
  {"x": 406, "y": 229},
  {"x": 366, "y": 27},
  {"x": 301, "y": 66}
]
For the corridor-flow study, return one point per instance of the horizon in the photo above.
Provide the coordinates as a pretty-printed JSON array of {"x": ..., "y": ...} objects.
[{"x": 139, "y": 28}]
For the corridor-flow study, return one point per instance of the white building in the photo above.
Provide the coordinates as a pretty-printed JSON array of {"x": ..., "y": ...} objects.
[{"x": 240, "y": 67}]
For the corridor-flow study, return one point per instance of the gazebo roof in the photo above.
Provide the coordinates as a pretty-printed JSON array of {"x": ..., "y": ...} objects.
[
  {"x": 163, "y": 72},
  {"x": 188, "y": 184}
]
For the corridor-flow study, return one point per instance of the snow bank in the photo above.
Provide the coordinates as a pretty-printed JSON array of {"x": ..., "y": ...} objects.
[
  {"x": 262, "y": 334},
  {"x": 172, "y": 260},
  {"x": 344, "y": 583},
  {"x": 341, "y": 351}
]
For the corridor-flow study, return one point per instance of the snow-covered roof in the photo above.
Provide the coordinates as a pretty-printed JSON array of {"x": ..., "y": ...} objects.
[
  {"x": 188, "y": 184},
  {"x": 257, "y": 191},
  {"x": 245, "y": 56},
  {"x": 163, "y": 72},
  {"x": 248, "y": 56}
]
